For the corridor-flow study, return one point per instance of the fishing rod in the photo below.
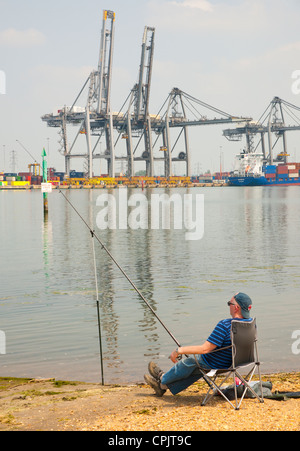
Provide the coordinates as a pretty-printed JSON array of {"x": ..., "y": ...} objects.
[
  {"x": 98, "y": 311},
  {"x": 93, "y": 234}
]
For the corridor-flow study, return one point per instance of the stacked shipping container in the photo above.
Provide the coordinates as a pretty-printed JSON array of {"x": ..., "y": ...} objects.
[
  {"x": 24, "y": 179},
  {"x": 270, "y": 172},
  {"x": 283, "y": 171},
  {"x": 288, "y": 170}
]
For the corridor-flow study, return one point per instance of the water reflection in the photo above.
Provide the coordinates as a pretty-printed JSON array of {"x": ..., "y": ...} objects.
[
  {"x": 145, "y": 282},
  {"x": 266, "y": 233},
  {"x": 47, "y": 234},
  {"x": 251, "y": 243}
]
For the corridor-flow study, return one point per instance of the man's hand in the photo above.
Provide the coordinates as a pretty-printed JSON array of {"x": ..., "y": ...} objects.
[
  {"x": 174, "y": 356},
  {"x": 206, "y": 348}
]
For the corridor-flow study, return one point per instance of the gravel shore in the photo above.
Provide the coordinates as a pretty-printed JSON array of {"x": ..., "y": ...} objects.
[{"x": 49, "y": 405}]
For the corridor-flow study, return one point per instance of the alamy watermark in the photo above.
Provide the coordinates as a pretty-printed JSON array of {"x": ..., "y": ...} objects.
[
  {"x": 296, "y": 343},
  {"x": 2, "y": 82},
  {"x": 296, "y": 83},
  {"x": 161, "y": 211},
  {"x": 2, "y": 342}
]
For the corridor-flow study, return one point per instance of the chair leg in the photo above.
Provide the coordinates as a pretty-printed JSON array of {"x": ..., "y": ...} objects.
[
  {"x": 214, "y": 388},
  {"x": 235, "y": 391},
  {"x": 246, "y": 381},
  {"x": 261, "y": 387},
  {"x": 257, "y": 364}
]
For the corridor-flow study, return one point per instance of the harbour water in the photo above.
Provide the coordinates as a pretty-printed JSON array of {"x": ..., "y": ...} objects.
[{"x": 48, "y": 313}]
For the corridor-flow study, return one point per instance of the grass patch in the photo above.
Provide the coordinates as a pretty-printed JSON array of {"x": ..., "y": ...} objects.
[
  {"x": 69, "y": 398},
  {"x": 62, "y": 383},
  {"x": 7, "y": 419},
  {"x": 146, "y": 411},
  {"x": 10, "y": 382}
]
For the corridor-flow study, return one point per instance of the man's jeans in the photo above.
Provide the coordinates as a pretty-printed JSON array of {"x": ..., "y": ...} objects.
[{"x": 181, "y": 376}]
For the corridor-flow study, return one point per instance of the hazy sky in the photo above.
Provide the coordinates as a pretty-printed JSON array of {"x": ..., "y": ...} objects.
[{"x": 233, "y": 54}]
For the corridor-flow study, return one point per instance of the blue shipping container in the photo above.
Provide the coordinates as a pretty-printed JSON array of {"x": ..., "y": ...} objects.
[{"x": 270, "y": 169}]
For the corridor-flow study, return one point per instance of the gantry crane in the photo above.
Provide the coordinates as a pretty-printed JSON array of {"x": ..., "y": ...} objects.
[
  {"x": 98, "y": 106},
  {"x": 179, "y": 103},
  {"x": 271, "y": 122},
  {"x": 138, "y": 123},
  {"x": 141, "y": 96},
  {"x": 96, "y": 119}
]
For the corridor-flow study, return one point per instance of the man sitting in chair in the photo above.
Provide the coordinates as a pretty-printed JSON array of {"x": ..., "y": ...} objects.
[{"x": 181, "y": 376}]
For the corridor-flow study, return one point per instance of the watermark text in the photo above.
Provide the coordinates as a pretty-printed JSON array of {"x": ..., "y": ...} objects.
[
  {"x": 159, "y": 212},
  {"x": 296, "y": 343},
  {"x": 296, "y": 83},
  {"x": 2, "y": 82},
  {"x": 2, "y": 342}
]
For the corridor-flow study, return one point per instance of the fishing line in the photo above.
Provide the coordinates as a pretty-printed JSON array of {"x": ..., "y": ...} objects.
[{"x": 121, "y": 269}]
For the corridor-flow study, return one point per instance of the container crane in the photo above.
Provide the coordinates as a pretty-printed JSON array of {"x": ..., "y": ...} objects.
[
  {"x": 140, "y": 123},
  {"x": 271, "y": 122},
  {"x": 98, "y": 106},
  {"x": 179, "y": 104},
  {"x": 96, "y": 119}
]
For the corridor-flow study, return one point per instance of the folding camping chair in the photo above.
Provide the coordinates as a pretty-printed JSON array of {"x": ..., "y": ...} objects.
[{"x": 244, "y": 354}]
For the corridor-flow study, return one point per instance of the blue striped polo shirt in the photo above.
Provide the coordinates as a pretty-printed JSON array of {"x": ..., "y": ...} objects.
[{"x": 221, "y": 338}]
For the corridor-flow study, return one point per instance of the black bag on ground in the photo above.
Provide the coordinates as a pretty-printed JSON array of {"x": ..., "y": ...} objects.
[
  {"x": 266, "y": 386},
  {"x": 267, "y": 392}
]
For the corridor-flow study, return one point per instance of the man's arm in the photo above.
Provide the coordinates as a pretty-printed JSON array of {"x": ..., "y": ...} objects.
[{"x": 206, "y": 348}]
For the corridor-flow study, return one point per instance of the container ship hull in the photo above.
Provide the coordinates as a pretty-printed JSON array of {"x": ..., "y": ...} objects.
[
  {"x": 262, "y": 181},
  {"x": 251, "y": 170}
]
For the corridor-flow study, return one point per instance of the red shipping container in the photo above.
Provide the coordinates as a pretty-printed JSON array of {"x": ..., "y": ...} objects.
[{"x": 282, "y": 169}]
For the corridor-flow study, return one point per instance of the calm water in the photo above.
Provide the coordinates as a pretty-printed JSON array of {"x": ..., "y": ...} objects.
[{"x": 47, "y": 298}]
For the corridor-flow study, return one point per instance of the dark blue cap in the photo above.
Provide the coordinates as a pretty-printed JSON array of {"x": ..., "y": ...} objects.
[{"x": 245, "y": 303}]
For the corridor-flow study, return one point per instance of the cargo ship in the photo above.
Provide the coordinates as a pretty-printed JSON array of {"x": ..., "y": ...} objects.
[{"x": 251, "y": 170}]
